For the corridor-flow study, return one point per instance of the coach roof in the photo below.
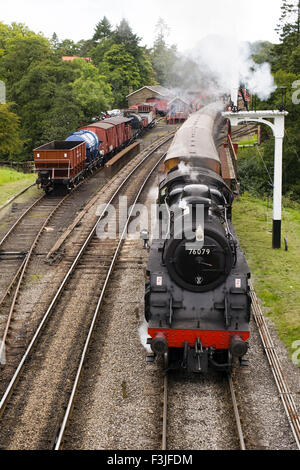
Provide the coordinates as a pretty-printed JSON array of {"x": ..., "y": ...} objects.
[{"x": 195, "y": 137}]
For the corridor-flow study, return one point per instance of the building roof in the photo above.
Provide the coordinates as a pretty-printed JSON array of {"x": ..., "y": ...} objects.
[
  {"x": 70, "y": 58},
  {"x": 117, "y": 120},
  {"x": 103, "y": 125},
  {"x": 177, "y": 98},
  {"x": 158, "y": 89}
]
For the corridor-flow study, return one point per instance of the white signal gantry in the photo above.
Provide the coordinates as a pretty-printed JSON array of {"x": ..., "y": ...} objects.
[{"x": 277, "y": 126}]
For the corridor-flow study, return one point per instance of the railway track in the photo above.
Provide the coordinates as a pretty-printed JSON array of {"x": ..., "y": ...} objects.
[
  {"x": 277, "y": 371},
  {"x": 49, "y": 365},
  {"x": 18, "y": 248},
  {"x": 237, "y": 134},
  {"x": 12, "y": 199},
  {"x": 236, "y": 414},
  {"x": 54, "y": 439},
  {"x": 62, "y": 430},
  {"x": 284, "y": 392},
  {"x": 10, "y": 246},
  {"x": 18, "y": 243},
  {"x": 244, "y": 130},
  {"x": 237, "y": 420}
]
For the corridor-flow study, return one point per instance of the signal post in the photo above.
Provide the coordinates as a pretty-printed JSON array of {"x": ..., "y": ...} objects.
[{"x": 277, "y": 126}]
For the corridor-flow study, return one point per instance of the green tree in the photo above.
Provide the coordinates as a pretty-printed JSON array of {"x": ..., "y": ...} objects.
[
  {"x": 97, "y": 52},
  {"x": 103, "y": 30},
  {"x": 115, "y": 51},
  {"x": 146, "y": 71},
  {"x": 36, "y": 93},
  {"x": 62, "y": 117},
  {"x": 85, "y": 47},
  {"x": 164, "y": 57},
  {"x": 124, "y": 35},
  {"x": 20, "y": 54},
  {"x": 10, "y": 142},
  {"x": 293, "y": 64},
  {"x": 289, "y": 21},
  {"x": 11, "y": 32},
  {"x": 121, "y": 71},
  {"x": 289, "y": 33},
  {"x": 54, "y": 41},
  {"x": 67, "y": 47},
  {"x": 91, "y": 90},
  {"x": 262, "y": 51}
]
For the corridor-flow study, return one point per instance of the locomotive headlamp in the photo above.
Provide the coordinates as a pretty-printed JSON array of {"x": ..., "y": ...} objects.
[
  {"x": 144, "y": 234},
  {"x": 200, "y": 234}
]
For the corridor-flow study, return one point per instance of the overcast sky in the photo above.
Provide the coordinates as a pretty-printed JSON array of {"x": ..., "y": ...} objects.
[{"x": 189, "y": 20}]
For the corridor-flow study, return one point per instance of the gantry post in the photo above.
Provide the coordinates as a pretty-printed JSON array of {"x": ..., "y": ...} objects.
[{"x": 277, "y": 126}]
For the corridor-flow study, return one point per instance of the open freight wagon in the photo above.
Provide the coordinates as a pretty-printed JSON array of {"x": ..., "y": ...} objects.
[{"x": 60, "y": 162}]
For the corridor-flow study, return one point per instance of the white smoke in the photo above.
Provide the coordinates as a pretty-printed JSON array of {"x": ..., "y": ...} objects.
[
  {"x": 223, "y": 64},
  {"x": 153, "y": 194},
  {"x": 185, "y": 168},
  {"x": 261, "y": 75},
  {"x": 143, "y": 334}
]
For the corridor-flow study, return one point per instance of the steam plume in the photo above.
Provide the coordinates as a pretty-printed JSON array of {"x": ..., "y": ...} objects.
[{"x": 220, "y": 63}]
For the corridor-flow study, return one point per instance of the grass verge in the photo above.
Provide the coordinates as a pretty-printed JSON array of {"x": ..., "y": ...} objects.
[
  {"x": 12, "y": 182},
  {"x": 275, "y": 273},
  {"x": 250, "y": 141}
]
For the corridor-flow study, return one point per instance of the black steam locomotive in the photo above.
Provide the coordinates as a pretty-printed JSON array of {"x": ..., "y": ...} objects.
[{"x": 197, "y": 301}]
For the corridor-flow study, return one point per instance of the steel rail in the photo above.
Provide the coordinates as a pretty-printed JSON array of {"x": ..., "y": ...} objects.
[
  {"x": 235, "y": 407},
  {"x": 22, "y": 268},
  {"x": 165, "y": 413},
  {"x": 16, "y": 376},
  {"x": 236, "y": 413},
  {"x": 78, "y": 218},
  {"x": 33, "y": 205},
  {"x": 20, "y": 219},
  {"x": 274, "y": 362},
  {"x": 246, "y": 130},
  {"x": 7, "y": 292},
  {"x": 25, "y": 260},
  {"x": 16, "y": 196},
  {"x": 21, "y": 272},
  {"x": 59, "y": 440}
]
